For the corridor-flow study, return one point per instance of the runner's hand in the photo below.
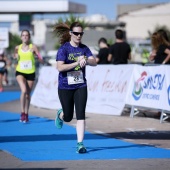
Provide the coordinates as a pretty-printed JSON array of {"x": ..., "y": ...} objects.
[{"x": 82, "y": 61}]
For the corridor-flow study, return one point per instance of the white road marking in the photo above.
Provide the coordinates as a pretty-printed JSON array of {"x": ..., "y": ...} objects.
[{"x": 100, "y": 132}]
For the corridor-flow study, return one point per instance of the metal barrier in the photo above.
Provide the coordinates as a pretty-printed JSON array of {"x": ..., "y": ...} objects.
[{"x": 135, "y": 110}]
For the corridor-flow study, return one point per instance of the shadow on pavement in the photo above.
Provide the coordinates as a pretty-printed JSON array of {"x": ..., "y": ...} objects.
[{"x": 150, "y": 135}]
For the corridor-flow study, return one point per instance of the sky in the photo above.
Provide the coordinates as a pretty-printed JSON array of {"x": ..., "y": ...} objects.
[{"x": 106, "y": 7}]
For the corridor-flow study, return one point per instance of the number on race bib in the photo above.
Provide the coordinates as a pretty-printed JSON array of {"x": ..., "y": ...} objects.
[
  {"x": 25, "y": 65},
  {"x": 75, "y": 77}
]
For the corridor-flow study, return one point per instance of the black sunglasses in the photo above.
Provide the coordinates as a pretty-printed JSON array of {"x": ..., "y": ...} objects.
[{"x": 78, "y": 33}]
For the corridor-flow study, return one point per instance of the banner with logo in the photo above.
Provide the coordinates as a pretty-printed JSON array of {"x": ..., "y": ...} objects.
[
  {"x": 148, "y": 87},
  {"x": 107, "y": 88},
  {"x": 110, "y": 87}
]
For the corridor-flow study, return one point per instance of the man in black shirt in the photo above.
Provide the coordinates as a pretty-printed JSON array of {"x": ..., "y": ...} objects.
[{"x": 119, "y": 52}]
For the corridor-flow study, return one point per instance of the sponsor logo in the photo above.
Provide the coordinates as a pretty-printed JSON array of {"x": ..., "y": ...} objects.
[{"x": 138, "y": 88}]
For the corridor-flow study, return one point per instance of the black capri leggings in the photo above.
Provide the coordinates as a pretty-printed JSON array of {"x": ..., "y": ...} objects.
[{"x": 69, "y": 98}]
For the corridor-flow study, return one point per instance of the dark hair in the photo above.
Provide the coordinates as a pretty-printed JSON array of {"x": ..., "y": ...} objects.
[
  {"x": 102, "y": 40},
  {"x": 27, "y": 32},
  {"x": 62, "y": 31},
  {"x": 75, "y": 24},
  {"x": 119, "y": 34},
  {"x": 164, "y": 34},
  {"x": 157, "y": 39}
]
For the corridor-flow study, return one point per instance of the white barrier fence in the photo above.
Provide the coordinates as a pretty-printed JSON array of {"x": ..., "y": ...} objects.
[
  {"x": 110, "y": 87},
  {"x": 150, "y": 87}
]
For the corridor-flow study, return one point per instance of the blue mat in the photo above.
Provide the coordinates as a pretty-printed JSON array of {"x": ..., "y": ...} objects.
[
  {"x": 7, "y": 96},
  {"x": 40, "y": 140}
]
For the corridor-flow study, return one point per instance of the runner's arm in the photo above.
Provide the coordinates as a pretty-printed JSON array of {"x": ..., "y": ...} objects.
[
  {"x": 61, "y": 66},
  {"x": 91, "y": 61},
  {"x": 37, "y": 53}
]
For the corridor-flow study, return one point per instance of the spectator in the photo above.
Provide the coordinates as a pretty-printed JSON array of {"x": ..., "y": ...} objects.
[
  {"x": 102, "y": 57},
  {"x": 161, "y": 51},
  {"x": 120, "y": 51}
]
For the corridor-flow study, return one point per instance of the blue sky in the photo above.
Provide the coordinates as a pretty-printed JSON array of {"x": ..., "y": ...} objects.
[{"x": 107, "y": 7}]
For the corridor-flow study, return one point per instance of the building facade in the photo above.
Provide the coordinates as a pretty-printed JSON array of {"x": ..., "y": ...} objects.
[{"x": 140, "y": 21}]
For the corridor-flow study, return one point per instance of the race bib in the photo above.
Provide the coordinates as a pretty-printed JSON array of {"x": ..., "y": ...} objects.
[
  {"x": 75, "y": 77},
  {"x": 25, "y": 65}
]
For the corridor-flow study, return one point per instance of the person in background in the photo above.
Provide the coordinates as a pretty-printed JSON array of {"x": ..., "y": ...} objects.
[
  {"x": 2, "y": 70},
  {"x": 72, "y": 58},
  {"x": 120, "y": 51},
  {"x": 161, "y": 52},
  {"x": 25, "y": 71},
  {"x": 5, "y": 76},
  {"x": 102, "y": 57},
  {"x": 162, "y": 33}
]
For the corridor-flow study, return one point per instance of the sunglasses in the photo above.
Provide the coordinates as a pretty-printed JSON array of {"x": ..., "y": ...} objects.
[{"x": 78, "y": 33}]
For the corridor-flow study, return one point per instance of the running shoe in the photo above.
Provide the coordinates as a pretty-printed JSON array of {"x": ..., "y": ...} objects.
[
  {"x": 22, "y": 117},
  {"x": 81, "y": 148},
  {"x": 58, "y": 121},
  {"x": 26, "y": 119}
]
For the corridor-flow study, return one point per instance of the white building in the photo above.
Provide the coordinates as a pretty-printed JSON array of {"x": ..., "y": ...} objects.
[
  {"x": 139, "y": 22},
  {"x": 16, "y": 18}
]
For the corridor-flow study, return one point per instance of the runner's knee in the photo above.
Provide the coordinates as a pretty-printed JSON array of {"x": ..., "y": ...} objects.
[{"x": 67, "y": 118}]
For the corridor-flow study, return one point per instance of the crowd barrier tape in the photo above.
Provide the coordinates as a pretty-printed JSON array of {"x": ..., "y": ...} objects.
[{"x": 110, "y": 88}]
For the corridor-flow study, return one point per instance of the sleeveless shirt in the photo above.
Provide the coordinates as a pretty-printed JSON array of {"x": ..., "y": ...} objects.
[{"x": 26, "y": 60}]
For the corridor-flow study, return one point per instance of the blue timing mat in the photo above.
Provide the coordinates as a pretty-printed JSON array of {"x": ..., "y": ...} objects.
[
  {"x": 7, "y": 96},
  {"x": 40, "y": 140}
]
